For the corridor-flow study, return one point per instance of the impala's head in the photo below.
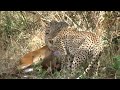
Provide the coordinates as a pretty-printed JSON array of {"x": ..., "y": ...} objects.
[{"x": 55, "y": 27}]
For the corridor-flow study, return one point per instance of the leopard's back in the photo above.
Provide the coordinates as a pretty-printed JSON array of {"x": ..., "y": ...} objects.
[{"x": 74, "y": 40}]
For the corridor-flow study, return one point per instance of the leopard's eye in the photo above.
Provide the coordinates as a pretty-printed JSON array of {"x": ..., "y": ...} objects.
[
  {"x": 46, "y": 33},
  {"x": 51, "y": 41}
]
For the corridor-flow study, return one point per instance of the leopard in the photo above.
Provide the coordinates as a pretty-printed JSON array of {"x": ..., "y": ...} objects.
[{"x": 79, "y": 45}]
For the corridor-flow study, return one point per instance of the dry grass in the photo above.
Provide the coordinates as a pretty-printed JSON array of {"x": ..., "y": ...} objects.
[{"x": 22, "y": 32}]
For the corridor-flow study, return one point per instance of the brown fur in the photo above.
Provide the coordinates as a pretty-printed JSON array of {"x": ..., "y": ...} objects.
[{"x": 35, "y": 56}]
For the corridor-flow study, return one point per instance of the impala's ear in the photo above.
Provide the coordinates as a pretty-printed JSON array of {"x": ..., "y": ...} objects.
[{"x": 56, "y": 53}]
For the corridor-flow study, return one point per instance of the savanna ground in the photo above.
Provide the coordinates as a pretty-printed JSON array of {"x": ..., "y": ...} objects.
[{"x": 22, "y": 32}]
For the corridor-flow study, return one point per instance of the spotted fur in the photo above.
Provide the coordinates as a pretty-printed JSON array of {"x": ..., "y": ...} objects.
[{"x": 81, "y": 45}]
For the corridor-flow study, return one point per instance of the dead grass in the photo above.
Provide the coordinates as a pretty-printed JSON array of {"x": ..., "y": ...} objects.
[{"x": 22, "y": 32}]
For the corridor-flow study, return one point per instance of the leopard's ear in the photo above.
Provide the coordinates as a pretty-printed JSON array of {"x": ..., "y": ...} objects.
[
  {"x": 53, "y": 22},
  {"x": 63, "y": 24}
]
